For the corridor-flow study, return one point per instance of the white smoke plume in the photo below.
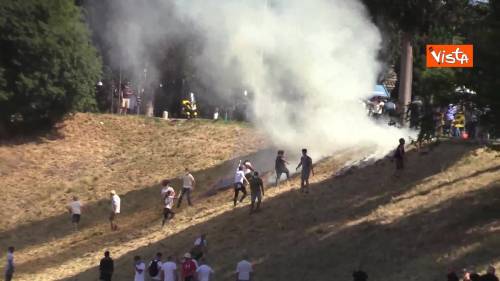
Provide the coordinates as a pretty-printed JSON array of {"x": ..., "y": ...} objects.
[{"x": 307, "y": 64}]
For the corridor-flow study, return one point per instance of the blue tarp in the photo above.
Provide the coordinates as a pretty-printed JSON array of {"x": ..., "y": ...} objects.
[{"x": 380, "y": 91}]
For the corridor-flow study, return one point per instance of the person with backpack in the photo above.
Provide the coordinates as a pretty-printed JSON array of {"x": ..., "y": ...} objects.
[
  {"x": 106, "y": 267},
  {"x": 139, "y": 267},
  {"x": 154, "y": 267},
  {"x": 256, "y": 191},
  {"x": 188, "y": 268}
]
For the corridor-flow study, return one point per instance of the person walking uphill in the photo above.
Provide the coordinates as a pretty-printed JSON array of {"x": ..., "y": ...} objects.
[
  {"x": 239, "y": 180},
  {"x": 256, "y": 191},
  {"x": 168, "y": 214},
  {"x": 307, "y": 169},
  {"x": 188, "y": 184},
  {"x": 106, "y": 267}
]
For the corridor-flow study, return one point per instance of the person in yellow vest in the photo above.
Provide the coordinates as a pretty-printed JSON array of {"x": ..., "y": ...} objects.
[{"x": 458, "y": 124}]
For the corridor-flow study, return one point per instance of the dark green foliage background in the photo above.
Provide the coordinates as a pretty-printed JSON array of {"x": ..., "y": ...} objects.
[{"x": 48, "y": 65}]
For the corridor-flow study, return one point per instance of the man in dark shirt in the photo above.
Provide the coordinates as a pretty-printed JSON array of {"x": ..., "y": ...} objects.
[
  {"x": 307, "y": 169},
  {"x": 256, "y": 191},
  {"x": 106, "y": 267},
  {"x": 280, "y": 166},
  {"x": 399, "y": 156},
  {"x": 490, "y": 275}
]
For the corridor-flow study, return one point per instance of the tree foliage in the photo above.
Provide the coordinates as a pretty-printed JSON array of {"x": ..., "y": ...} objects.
[{"x": 48, "y": 65}]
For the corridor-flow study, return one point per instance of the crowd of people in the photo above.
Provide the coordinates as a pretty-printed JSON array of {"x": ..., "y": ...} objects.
[{"x": 193, "y": 266}]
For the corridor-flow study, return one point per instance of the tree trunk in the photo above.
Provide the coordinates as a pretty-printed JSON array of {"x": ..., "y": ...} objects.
[{"x": 404, "y": 94}]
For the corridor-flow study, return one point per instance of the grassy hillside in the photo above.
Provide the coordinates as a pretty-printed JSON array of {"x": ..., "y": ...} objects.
[{"x": 443, "y": 211}]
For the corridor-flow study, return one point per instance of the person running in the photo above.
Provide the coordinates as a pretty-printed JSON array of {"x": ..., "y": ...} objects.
[
  {"x": 155, "y": 266},
  {"x": 75, "y": 210},
  {"x": 244, "y": 270},
  {"x": 200, "y": 247},
  {"x": 169, "y": 270},
  {"x": 239, "y": 180},
  {"x": 280, "y": 166},
  {"x": 307, "y": 169},
  {"x": 204, "y": 272},
  {"x": 256, "y": 191},
  {"x": 188, "y": 268},
  {"x": 115, "y": 209},
  {"x": 188, "y": 184},
  {"x": 106, "y": 267},
  {"x": 168, "y": 214},
  {"x": 9, "y": 269},
  {"x": 139, "y": 268},
  {"x": 399, "y": 156}
]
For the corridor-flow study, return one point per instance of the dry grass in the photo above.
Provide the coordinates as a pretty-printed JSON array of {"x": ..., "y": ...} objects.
[{"x": 442, "y": 212}]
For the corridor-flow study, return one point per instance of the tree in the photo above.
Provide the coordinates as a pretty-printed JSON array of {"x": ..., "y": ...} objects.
[
  {"x": 48, "y": 65},
  {"x": 412, "y": 19},
  {"x": 484, "y": 33}
]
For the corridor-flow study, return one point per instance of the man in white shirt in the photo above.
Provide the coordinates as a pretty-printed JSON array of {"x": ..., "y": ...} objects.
[
  {"x": 204, "y": 272},
  {"x": 167, "y": 209},
  {"x": 188, "y": 184},
  {"x": 169, "y": 270},
  {"x": 139, "y": 268},
  {"x": 239, "y": 180},
  {"x": 75, "y": 210},
  {"x": 244, "y": 270},
  {"x": 155, "y": 266},
  {"x": 9, "y": 269},
  {"x": 115, "y": 209}
]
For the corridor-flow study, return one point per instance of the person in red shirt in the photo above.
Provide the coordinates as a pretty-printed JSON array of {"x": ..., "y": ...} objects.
[{"x": 188, "y": 268}]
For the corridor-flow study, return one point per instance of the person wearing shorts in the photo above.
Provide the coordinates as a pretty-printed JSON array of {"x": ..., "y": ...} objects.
[
  {"x": 256, "y": 191},
  {"x": 75, "y": 209},
  {"x": 239, "y": 180},
  {"x": 115, "y": 210},
  {"x": 307, "y": 169}
]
